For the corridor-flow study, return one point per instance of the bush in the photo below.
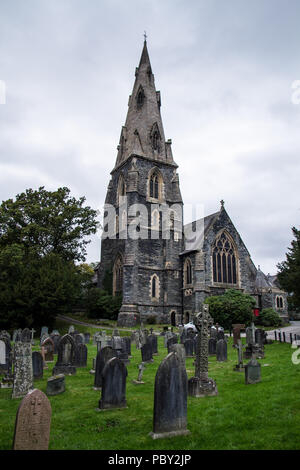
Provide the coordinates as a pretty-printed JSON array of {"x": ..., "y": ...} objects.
[
  {"x": 269, "y": 317},
  {"x": 101, "y": 304},
  {"x": 231, "y": 307}
]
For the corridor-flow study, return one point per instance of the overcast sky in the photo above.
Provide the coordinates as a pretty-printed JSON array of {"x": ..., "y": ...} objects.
[{"x": 225, "y": 70}]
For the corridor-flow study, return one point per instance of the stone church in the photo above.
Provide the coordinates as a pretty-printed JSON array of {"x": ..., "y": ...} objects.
[{"x": 160, "y": 267}]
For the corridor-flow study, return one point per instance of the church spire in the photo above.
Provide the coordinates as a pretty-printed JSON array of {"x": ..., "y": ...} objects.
[{"x": 143, "y": 133}]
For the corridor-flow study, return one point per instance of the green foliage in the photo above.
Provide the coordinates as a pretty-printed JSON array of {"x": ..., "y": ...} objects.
[
  {"x": 231, "y": 307},
  {"x": 42, "y": 235},
  {"x": 101, "y": 304},
  {"x": 269, "y": 317},
  {"x": 289, "y": 272}
]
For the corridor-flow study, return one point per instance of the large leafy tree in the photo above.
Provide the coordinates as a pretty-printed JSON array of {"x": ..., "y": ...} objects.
[
  {"x": 43, "y": 235},
  {"x": 232, "y": 307},
  {"x": 289, "y": 271}
]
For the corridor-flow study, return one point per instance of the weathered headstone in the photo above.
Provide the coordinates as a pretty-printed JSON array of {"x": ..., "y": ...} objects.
[
  {"x": 180, "y": 351},
  {"x": 103, "y": 356},
  {"x": 201, "y": 385},
  {"x": 55, "y": 338},
  {"x": 71, "y": 329},
  {"x": 189, "y": 347},
  {"x": 170, "y": 399},
  {"x": 32, "y": 427},
  {"x": 37, "y": 365},
  {"x": 252, "y": 372},
  {"x": 221, "y": 350},
  {"x": 239, "y": 366},
  {"x": 48, "y": 346},
  {"x": 139, "y": 381},
  {"x": 23, "y": 374},
  {"x": 212, "y": 346},
  {"x": 5, "y": 349},
  {"x": 87, "y": 337},
  {"x": 113, "y": 392},
  {"x": 65, "y": 356},
  {"x": 26, "y": 335},
  {"x": 146, "y": 351},
  {"x": 81, "y": 354},
  {"x": 220, "y": 334},
  {"x": 172, "y": 340},
  {"x": 56, "y": 385}
]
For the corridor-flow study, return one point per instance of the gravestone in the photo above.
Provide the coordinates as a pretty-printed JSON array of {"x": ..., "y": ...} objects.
[
  {"x": 237, "y": 327},
  {"x": 139, "y": 381},
  {"x": 66, "y": 351},
  {"x": 55, "y": 338},
  {"x": 213, "y": 332},
  {"x": 153, "y": 339},
  {"x": 26, "y": 336},
  {"x": 5, "y": 349},
  {"x": 212, "y": 346},
  {"x": 201, "y": 385},
  {"x": 167, "y": 336},
  {"x": 127, "y": 343},
  {"x": 252, "y": 372},
  {"x": 172, "y": 340},
  {"x": 170, "y": 399},
  {"x": 221, "y": 350},
  {"x": 220, "y": 334},
  {"x": 17, "y": 335},
  {"x": 239, "y": 347},
  {"x": 32, "y": 426},
  {"x": 103, "y": 356},
  {"x": 79, "y": 339},
  {"x": 44, "y": 330},
  {"x": 87, "y": 337},
  {"x": 71, "y": 330},
  {"x": 23, "y": 374},
  {"x": 56, "y": 385},
  {"x": 81, "y": 354},
  {"x": 189, "y": 347},
  {"x": 48, "y": 346},
  {"x": 113, "y": 392},
  {"x": 146, "y": 351},
  {"x": 180, "y": 351},
  {"x": 37, "y": 365}
]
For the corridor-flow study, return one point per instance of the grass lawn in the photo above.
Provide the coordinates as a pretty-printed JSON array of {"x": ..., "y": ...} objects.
[{"x": 261, "y": 416}]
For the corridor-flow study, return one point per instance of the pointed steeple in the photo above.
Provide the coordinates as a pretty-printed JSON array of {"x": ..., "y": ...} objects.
[{"x": 143, "y": 133}]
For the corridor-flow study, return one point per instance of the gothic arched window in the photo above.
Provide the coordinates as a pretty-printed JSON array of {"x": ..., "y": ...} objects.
[
  {"x": 155, "y": 184},
  {"x": 118, "y": 276},
  {"x": 154, "y": 287},
  {"x": 121, "y": 191},
  {"x": 155, "y": 137},
  {"x": 188, "y": 272},
  {"x": 140, "y": 97},
  {"x": 224, "y": 260}
]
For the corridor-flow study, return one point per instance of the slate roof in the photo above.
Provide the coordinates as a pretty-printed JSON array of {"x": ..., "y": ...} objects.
[{"x": 194, "y": 232}]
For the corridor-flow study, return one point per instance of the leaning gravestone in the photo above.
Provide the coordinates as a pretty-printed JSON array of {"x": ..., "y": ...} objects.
[
  {"x": 37, "y": 365},
  {"x": 66, "y": 356},
  {"x": 221, "y": 350},
  {"x": 139, "y": 381},
  {"x": 113, "y": 385},
  {"x": 103, "y": 356},
  {"x": 23, "y": 374},
  {"x": 252, "y": 372},
  {"x": 170, "y": 399},
  {"x": 32, "y": 427}
]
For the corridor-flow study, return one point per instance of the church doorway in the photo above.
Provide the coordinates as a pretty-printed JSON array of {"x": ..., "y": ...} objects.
[
  {"x": 173, "y": 318},
  {"x": 186, "y": 317}
]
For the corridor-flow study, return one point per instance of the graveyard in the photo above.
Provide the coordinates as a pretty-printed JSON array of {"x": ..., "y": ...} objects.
[{"x": 239, "y": 416}]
